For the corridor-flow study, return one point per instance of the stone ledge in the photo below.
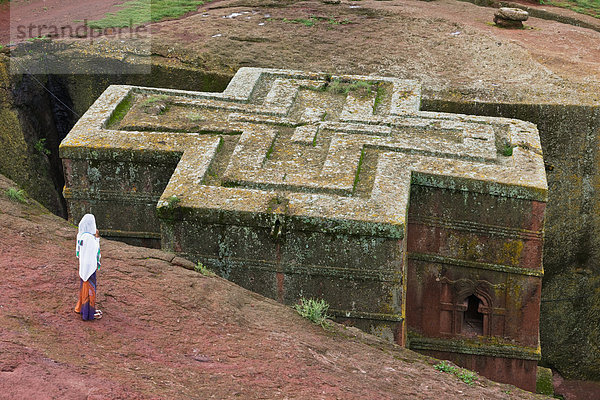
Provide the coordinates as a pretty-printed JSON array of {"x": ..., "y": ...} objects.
[
  {"x": 381, "y": 275},
  {"x": 434, "y": 258},
  {"x": 366, "y": 315},
  {"x": 480, "y": 348}
]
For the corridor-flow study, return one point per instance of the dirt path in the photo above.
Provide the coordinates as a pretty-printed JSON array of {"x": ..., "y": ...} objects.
[{"x": 168, "y": 332}]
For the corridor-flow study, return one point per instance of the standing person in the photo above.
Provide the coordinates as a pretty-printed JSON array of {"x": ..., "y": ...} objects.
[{"x": 88, "y": 252}]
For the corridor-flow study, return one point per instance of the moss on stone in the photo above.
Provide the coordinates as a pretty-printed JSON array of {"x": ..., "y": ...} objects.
[
  {"x": 120, "y": 112},
  {"x": 543, "y": 384},
  {"x": 570, "y": 327}
]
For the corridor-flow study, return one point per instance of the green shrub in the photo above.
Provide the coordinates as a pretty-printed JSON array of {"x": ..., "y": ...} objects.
[
  {"x": 313, "y": 310},
  {"x": 17, "y": 195},
  {"x": 40, "y": 147},
  {"x": 468, "y": 377},
  {"x": 445, "y": 366}
]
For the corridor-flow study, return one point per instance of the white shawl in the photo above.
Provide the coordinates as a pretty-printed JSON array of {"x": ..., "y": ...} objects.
[{"x": 88, "y": 247}]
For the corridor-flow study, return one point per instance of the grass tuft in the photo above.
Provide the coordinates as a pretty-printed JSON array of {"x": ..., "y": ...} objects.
[
  {"x": 203, "y": 269},
  {"x": 507, "y": 150},
  {"x": 17, "y": 195},
  {"x": 468, "y": 377},
  {"x": 338, "y": 86},
  {"x": 195, "y": 117},
  {"x": 153, "y": 99},
  {"x": 304, "y": 21},
  {"x": 313, "y": 310}
]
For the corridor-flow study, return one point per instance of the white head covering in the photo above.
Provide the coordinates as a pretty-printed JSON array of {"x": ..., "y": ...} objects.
[{"x": 88, "y": 247}]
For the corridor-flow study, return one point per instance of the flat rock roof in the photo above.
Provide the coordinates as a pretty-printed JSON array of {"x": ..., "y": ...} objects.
[{"x": 338, "y": 152}]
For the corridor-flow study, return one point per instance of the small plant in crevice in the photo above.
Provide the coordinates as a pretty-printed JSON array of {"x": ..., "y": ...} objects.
[
  {"x": 314, "y": 310},
  {"x": 173, "y": 202},
  {"x": 507, "y": 149},
  {"x": 156, "y": 104},
  {"x": 468, "y": 377},
  {"x": 17, "y": 195},
  {"x": 378, "y": 97},
  {"x": 203, "y": 269},
  {"x": 304, "y": 21},
  {"x": 195, "y": 117},
  {"x": 40, "y": 147},
  {"x": 153, "y": 99},
  {"x": 169, "y": 208}
]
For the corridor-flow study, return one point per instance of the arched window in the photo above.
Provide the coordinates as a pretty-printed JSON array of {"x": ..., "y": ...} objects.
[{"x": 472, "y": 321}]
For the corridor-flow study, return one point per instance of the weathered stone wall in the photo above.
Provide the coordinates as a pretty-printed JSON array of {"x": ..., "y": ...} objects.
[
  {"x": 464, "y": 245},
  {"x": 29, "y": 113},
  {"x": 570, "y": 313},
  {"x": 25, "y": 119}
]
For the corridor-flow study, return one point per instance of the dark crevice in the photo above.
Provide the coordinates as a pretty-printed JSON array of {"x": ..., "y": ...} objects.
[
  {"x": 42, "y": 124},
  {"x": 64, "y": 118}
]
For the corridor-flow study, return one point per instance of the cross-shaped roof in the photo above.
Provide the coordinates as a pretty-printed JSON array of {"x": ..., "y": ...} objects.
[{"x": 338, "y": 152}]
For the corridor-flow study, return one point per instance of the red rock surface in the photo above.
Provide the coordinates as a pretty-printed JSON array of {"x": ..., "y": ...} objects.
[{"x": 169, "y": 332}]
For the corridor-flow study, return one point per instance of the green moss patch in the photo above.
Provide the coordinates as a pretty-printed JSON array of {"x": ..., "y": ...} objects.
[
  {"x": 587, "y": 7},
  {"x": 119, "y": 113},
  {"x": 543, "y": 384},
  {"x": 138, "y": 12}
]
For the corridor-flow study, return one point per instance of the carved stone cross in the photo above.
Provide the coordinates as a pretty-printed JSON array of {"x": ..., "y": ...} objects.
[{"x": 293, "y": 183}]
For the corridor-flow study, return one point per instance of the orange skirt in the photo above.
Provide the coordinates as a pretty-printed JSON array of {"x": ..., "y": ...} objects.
[{"x": 86, "y": 304}]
